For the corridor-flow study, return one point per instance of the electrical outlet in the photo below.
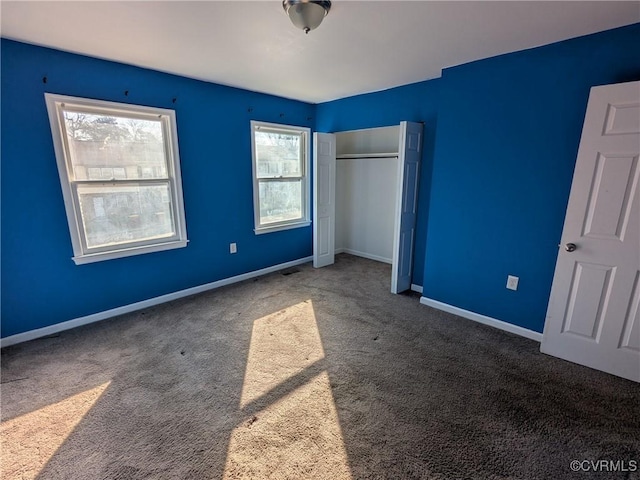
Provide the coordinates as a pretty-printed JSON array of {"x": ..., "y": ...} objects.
[
  {"x": 512, "y": 282},
  {"x": 233, "y": 248}
]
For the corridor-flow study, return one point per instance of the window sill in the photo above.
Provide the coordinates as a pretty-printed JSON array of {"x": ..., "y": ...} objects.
[
  {"x": 127, "y": 252},
  {"x": 278, "y": 228}
]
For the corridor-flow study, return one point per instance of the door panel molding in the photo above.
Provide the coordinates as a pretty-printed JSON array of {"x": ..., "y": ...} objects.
[{"x": 592, "y": 318}]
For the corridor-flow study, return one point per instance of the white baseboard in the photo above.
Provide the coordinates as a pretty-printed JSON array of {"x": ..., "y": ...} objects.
[
  {"x": 416, "y": 288},
  {"x": 96, "y": 317},
  {"x": 476, "y": 317},
  {"x": 364, "y": 255}
]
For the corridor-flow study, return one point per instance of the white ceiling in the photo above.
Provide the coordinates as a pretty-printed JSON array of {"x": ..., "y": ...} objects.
[{"x": 362, "y": 46}]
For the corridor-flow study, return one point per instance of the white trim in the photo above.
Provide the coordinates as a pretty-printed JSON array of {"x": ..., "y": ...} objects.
[
  {"x": 416, "y": 288},
  {"x": 96, "y": 317},
  {"x": 476, "y": 317},
  {"x": 363, "y": 255},
  {"x": 82, "y": 253},
  {"x": 128, "y": 252},
  {"x": 279, "y": 227},
  {"x": 305, "y": 181}
]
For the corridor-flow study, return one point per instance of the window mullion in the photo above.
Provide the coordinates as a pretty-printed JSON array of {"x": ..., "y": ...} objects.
[{"x": 113, "y": 183}]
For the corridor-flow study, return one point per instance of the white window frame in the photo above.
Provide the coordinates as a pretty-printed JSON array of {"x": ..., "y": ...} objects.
[
  {"x": 305, "y": 221},
  {"x": 82, "y": 254}
]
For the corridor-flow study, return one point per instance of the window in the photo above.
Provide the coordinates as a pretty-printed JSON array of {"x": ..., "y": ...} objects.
[
  {"x": 120, "y": 175},
  {"x": 280, "y": 179}
]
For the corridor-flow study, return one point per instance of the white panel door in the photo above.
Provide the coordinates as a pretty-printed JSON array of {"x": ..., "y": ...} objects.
[
  {"x": 324, "y": 199},
  {"x": 406, "y": 205},
  {"x": 593, "y": 316}
]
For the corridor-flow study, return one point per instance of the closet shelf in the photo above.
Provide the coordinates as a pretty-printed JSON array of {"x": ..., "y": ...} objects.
[{"x": 345, "y": 156}]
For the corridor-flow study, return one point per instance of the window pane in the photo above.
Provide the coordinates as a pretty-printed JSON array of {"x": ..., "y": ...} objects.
[
  {"x": 113, "y": 215},
  {"x": 280, "y": 201},
  {"x": 103, "y": 147},
  {"x": 278, "y": 154}
]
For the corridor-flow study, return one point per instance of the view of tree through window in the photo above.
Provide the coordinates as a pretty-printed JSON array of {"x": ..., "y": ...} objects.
[
  {"x": 119, "y": 170},
  {"x": 279, "y": 170},
  {"x": 107, "y": 148}
]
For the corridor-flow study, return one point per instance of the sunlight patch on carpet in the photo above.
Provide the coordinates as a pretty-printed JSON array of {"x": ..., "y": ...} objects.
[
  {"x": 283, "y": 345},
  {"x": 29, "y": 441},
  {"x": 291, "y": 414}
]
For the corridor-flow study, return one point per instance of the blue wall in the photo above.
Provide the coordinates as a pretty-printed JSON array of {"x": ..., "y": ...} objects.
[
  {"x": 40, "y": 283},
  {"x": 417, "y": 102},
  {"x": 501, "y": 137},
  {"x": 506, "y": 145},
  {"x": 501, "y": 140}
]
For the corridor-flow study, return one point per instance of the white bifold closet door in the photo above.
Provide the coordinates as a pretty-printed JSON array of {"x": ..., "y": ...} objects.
[
  {"x": 324, "y": 198},
  {"x": 406, "y": 206}
]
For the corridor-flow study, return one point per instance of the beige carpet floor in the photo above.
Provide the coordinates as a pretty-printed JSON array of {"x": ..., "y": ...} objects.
[{"x": 306, "y": 374}]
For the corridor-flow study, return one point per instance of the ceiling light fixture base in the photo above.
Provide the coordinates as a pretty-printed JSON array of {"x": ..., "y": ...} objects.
[{"x": 306, "y": 14}]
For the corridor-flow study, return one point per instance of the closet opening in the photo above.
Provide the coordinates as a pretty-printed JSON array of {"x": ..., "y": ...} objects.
[{"x": 365, "y": 196}]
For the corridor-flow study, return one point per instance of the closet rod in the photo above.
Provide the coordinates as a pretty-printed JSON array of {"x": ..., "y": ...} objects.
[{"x": 353, "y": 156}]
